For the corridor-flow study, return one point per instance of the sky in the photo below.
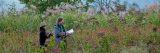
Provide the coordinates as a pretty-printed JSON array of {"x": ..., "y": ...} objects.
[
  {"x": 142, "y": 3},
  {"x": 4, "y": 3}
]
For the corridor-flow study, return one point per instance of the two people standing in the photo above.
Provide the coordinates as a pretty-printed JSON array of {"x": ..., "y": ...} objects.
[{"x": 59, "y": 31}]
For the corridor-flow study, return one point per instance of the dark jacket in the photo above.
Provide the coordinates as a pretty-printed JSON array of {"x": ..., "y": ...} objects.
[
  {"x": 43, "y": 35},
  {"x": 58, "y": 29}
]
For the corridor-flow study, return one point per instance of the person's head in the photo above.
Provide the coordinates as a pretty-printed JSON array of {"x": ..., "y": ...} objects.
[
  {"x": 43, "y": 24},
  {"x": 60, "y": 20},
  {"x": 42, "y": 29}
]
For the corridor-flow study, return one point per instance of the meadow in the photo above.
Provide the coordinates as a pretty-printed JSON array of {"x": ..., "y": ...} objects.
[{"x": 139, "y": 33}]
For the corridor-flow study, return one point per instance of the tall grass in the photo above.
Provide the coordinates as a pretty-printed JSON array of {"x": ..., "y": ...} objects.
[
  {"x": 20, "y": 33},
  {"x": 19, "y": 23}
]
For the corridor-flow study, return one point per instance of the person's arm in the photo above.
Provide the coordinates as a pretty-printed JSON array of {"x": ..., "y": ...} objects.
[
  {"x": 57, "y": 32},
  {"x": 49, "y": 34}
]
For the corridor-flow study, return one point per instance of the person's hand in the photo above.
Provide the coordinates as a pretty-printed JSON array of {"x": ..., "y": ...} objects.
[
  {"x": 68, "y": 34},
  {"x": 51, "y": 34},
  {"x": 62, "y": 33}
]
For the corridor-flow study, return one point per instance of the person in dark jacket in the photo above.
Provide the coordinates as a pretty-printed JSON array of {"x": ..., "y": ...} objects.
[{"x": 43, "y": 36}]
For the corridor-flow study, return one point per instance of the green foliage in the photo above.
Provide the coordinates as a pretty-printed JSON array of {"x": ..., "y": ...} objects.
[
  {"x": 90, "y": 0},
  {"x": 87, "y": 48},
  {"x": 19, "y": 23},
  {"x": 155, "y": 19},
  {"x": 20, "y": 34},
  {"x": 130, "y": 19},
  {"x": 135, "y": 49},
  {"x": 105, "y": 44},
  {"x": 69, "y": 20},
  {"x": 153, "y": 38},
  {"x": 63, "y": 46},
  {"x": 102, "y": 20},
  {"x": 42, "y": 5},
  {"x": 52, "y": 42}
]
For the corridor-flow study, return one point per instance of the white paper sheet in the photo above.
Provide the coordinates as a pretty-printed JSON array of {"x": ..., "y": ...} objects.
[{"x": 70, "y": 31}]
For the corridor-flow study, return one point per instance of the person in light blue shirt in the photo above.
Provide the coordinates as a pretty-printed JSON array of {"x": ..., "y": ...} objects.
[{"x": 60, "y": 32}]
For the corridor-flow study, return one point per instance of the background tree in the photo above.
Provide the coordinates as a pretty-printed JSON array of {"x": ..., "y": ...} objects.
[
  {"x": 43, "y": 4},
  {"x": 103, "y": 4}
]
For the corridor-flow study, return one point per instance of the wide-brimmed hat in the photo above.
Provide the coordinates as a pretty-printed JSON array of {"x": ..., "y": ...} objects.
[{"x": 43, "y": 23}]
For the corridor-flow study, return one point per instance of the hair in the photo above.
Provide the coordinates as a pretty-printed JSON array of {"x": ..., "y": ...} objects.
[
  {"x": 59, "y": 19},
  {"x": 42, "y": 29}
]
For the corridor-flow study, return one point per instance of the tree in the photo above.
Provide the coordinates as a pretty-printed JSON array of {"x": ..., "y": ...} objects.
[
  {"x": 42, "y": 5},
  {"x": 110, "y": 5},
  {"x": 103, "y": 5}
]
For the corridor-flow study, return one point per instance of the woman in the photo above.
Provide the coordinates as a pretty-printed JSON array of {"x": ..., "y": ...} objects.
[{"x": 60, "y": 32}]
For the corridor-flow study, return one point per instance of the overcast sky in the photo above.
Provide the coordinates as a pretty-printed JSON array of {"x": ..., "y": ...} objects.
[{"x": 5, "y": 4}]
